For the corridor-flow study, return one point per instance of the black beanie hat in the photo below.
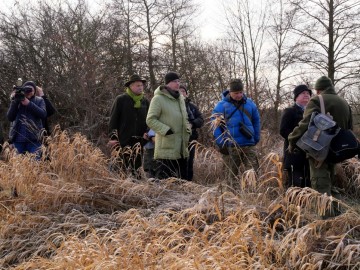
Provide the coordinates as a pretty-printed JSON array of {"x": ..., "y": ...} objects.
[
  {"x": 171, "y": 76},
  {"x": 299, "y": 89},
  {"x": 236, "y": 85},
  {"x": 322, "y": 83}
]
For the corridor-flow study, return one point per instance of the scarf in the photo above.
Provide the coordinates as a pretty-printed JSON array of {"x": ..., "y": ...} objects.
[
  {"x": 301, "y": 106},
  {"x": 136, "y": 98},
  {"x": 174, "y": 93}
]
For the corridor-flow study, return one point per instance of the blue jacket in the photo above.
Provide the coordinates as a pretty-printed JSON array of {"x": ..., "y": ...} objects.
[
  {"x": 27, "y": 120},
  {"x": 227, "y": 131}
]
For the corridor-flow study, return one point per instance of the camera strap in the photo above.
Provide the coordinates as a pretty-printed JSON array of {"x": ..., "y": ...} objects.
[{"x": 243, "y": 110}]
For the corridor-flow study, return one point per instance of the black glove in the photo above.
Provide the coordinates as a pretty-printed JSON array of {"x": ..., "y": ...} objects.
[{"x": 169, "y": 132}]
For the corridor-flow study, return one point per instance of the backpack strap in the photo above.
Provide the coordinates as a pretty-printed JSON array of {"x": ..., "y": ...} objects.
[{"x": 322, "y": 106}]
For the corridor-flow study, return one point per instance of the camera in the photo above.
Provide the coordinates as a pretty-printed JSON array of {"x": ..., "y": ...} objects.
[
  {"x": 245, "y": 131},
  {"x": 20, "y": 92}
]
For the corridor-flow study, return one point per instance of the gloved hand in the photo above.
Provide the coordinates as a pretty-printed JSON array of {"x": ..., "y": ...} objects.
[
  {"x": 169, "y": 132},
  {"x": 290, "y": 149}
]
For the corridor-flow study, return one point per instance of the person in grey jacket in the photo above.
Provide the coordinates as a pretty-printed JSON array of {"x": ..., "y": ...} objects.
[{"x": 167, "y": 116}]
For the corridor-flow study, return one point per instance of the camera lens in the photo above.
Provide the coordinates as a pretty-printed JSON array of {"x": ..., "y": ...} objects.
[{"x": 27, "y": 89}]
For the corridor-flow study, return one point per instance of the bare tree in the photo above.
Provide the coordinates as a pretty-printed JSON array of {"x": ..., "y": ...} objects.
[
  {"x": 329, "y": 30},
  {"x": 283, "y": 52},
  {"x": 178, "y": 25},
  {"x": 247, "y": 24}
]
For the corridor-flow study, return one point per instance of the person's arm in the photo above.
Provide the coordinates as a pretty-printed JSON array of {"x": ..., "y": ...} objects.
[
  {"x": 198, "y": 118},
  {"x": 285, "y": 123},
  {"x": 152, "y": 119},
  {"x": 299, "y": 130},
  {"x": 50, "y": 109},
  {"x": 218, "y": 124},
  {"x": 256, "y": 123},
  {"x": 13, "y": 110},
  {"x": 115, "y": 116},
  {"x": 36, "y": 107}
]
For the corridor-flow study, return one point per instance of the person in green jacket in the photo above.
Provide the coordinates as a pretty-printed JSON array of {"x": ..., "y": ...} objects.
[
  {"x": 322, "y": 177},
  {"x": 167, "y": 116},
  {"x": 127, "y": 125}
]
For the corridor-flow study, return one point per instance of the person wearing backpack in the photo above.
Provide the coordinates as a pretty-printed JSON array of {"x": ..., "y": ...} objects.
[
  {"x": 322, "y": 174},
  {"x": 236, "y": 130},
  {"x": 295, "y": 165}
]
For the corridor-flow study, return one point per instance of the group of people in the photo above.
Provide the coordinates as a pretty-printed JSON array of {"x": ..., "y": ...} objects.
[
  {"x": 166, "y": 129},
  {"x": 303, "y": 170},
  {"x": 166, "y": 126}
]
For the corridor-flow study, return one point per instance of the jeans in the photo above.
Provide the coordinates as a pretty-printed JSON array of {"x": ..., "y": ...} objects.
[{"x": 29, "y": 147}]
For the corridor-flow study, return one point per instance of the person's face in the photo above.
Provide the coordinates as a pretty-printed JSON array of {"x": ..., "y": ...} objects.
[
  {"x": 174, "y": 85},
  {"x": 183, "y": 92},
  {"x": 137, "y": 87},
  {"x": 238, "y": 95},
  {"x": 303, "y": 98},
  {"x": 29, "y": 94}
]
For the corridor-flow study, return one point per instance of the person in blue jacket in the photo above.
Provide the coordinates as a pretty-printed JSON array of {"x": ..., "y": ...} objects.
[
  {"x": 26, "y": 112},
  {"x": 236, "y": 124}
]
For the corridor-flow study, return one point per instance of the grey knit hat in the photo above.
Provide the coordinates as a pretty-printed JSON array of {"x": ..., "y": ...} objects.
[{"x": 236, "y": 85}]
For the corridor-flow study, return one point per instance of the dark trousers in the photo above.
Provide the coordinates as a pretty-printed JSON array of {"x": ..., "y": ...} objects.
[
  {"x": 171, "y": 168},
  {"x": 129, "y": 160},
  {"x": 299, "y": 177}
]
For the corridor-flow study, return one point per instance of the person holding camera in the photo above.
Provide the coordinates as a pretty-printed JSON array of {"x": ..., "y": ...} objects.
[
  {"x": 236, "y": 124},
  {"x": 196, "y": 121},
  {"x": 26, "y": 112}
]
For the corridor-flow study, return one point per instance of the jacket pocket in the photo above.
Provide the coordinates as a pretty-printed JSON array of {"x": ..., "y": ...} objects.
[{"x": 168, "y": 141}]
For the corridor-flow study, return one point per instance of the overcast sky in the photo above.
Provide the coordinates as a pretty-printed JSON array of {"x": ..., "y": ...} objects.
[{"x": 210, "y": 17}]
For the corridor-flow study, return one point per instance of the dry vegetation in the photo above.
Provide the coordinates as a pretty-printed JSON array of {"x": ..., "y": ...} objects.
[{"x": 73, "y": 213}]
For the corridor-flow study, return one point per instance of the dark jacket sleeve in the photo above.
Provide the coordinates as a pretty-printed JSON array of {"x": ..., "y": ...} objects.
[
  {"x": 198, "y": 120},
  {"x": 13, "y": 110},
  {"x": 115, "y": 117},
  {"x": 286, "y": 124},
  {"x": 50, "y": 109},
  {"x": 39, "y": 109}
]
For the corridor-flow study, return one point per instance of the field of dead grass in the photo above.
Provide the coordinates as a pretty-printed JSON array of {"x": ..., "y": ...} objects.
[{"x": 72, "y": 212}]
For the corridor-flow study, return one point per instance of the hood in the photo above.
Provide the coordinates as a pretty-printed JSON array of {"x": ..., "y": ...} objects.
[
  {"x": 226, "y": 97},
  {"x": 161, "y": 90}
]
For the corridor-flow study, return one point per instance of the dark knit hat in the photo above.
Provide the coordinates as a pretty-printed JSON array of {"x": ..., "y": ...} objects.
[
  {"x": 236, "y": 85},
  {"x": 322, "y": 83},
  {"x": 171, "y": 76},
  {"x": 183, "y": 87},
  {"x": 29, "y": 84},
  {"x": 299, "y": 89},
  {"x": 134, "y": 78}
]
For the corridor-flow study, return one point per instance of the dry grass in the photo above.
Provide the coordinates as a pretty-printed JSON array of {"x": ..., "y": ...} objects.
[{"x": 73, "y": 213}]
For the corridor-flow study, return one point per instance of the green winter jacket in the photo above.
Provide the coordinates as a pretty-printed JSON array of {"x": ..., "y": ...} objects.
[
  {"x": 334, "y": 104},
  {"x": 167, "y": 112}
]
